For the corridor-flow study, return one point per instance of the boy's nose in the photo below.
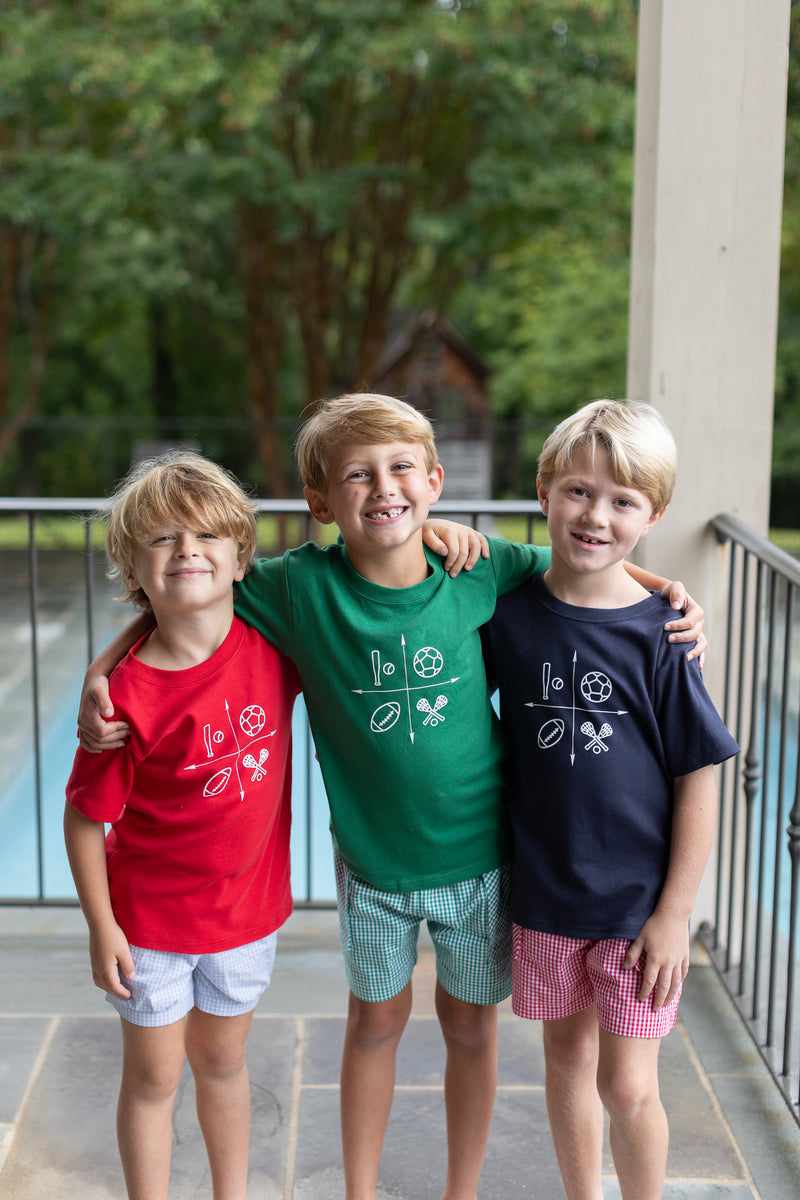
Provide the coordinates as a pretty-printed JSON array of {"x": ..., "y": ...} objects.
[
  {"x": 382, "y": 484},
  {"x": 597, "y": 513},
  {"x": 184, "y": 544}
]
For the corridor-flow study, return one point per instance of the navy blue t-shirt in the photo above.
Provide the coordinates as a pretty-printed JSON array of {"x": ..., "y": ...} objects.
[{"x": 602, "y": 714}]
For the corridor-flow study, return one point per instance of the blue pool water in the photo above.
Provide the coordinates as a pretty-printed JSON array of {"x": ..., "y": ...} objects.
[{"x": 18, "y": 839}]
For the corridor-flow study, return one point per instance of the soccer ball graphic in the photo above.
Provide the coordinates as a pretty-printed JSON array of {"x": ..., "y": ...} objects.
[
  {"x": 253, "y": 719},
  {"x": 428, "y": 662},
  {"x": 596, "y": 687}
]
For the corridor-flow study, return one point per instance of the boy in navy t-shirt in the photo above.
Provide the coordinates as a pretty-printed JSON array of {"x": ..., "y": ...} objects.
[{"x": 612, "y": 795}]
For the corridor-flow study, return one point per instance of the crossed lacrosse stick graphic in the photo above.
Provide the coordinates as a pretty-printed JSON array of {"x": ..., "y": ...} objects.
[
  {"x": 259, "y": 772},
  {"x": 596, "y": 743},
  {"x": 434, "y": 716}
]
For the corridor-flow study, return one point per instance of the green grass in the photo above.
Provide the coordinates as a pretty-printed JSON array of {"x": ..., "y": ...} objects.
[
  {"x": 66, "y": 532},
  {"x": 786, "y": 539},
  {"x": 62, "y": 532}
]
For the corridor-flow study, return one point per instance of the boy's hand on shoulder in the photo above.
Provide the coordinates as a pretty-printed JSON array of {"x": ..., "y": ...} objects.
[
  {"x": 664, "y": 939},
  {"x": 95, "y": 731},
  {"x": 689, "y": 627},
  {"x": 460, "y": 545}
]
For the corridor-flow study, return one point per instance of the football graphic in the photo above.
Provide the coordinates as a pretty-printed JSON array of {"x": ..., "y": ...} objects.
[
  {"x": 551, "y": 733},
  {"x": 385, "y": 717},
  {"x": 217, "y": 782}
]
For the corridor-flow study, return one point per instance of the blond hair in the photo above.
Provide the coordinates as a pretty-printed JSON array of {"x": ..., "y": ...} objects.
[
  {"x": 180, "y": 489},
  {"x": 362, "y": 418},
  {"x": 640, "y": 448}
]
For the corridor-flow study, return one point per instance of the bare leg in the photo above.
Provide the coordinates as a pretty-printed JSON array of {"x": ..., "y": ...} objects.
[
  {"x": 470, "y": 1081},
  {"x": 152, "y": 1061},
  {"x": 628, "y": 1084},
  {"x": 367, "y": 1086},
  {"x": 573, "y": 1104},
  {"x": 215, "y": 1047}
]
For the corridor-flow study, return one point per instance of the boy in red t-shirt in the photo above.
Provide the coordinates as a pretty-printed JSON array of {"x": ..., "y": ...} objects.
[{"x": 184, "y": 896}]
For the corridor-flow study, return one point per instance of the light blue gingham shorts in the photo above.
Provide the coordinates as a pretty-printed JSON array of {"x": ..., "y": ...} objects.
[
  {"x": 469, "y": 923},
  {"x": 167, "y": 985}
]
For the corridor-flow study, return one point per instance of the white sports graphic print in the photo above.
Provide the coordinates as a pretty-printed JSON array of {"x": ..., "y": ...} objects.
[
  {"x": 420, "y": 674},
  {"x": 242, "y": 736},
  {"x": 571, "y": 717}
]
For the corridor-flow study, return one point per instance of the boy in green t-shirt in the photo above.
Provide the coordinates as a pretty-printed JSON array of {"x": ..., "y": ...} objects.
[{"x": 389, "y": 654}]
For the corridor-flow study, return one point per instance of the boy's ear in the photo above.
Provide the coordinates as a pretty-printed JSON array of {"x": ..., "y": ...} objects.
[
  {"x": 318, "y": 506},
  {"x": 543, "y": 494},
  {"x": 436, "y": 482},
  {"x": 654, "y": 519}
]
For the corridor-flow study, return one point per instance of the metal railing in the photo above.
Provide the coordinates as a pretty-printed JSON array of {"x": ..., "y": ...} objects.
[
  {"x": 35, "y": 597},
  {"x": 753, "y": 939}
]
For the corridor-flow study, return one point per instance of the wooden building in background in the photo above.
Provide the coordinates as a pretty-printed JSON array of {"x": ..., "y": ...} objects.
[{"x": 428, "y": 363}]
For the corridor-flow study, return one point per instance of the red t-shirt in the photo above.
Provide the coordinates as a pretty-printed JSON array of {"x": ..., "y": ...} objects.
[{"x": 199, "y": 799}]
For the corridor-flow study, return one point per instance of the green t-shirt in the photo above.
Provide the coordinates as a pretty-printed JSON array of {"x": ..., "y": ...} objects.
[{"x": 410, "y": 748}]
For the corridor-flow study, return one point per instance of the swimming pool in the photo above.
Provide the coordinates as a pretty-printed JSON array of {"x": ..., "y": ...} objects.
[{"x": 312, "y": 865}]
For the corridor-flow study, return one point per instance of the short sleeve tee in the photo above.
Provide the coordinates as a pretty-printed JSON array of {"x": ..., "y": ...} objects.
[
  {"x": 199, "y": 798},
  {"x": 410, "y": 749},
  {"x": 602, "y": 715}
]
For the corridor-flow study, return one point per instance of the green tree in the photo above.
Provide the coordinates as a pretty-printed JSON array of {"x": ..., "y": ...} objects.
[
  {"x": 249, "y": 189},
  {"x": 785, "y": 507}
]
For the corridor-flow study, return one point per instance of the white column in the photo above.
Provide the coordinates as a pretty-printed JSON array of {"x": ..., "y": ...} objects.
[
  {"x": 710, "y": 131},
  {"x": 708, "y": 185}
]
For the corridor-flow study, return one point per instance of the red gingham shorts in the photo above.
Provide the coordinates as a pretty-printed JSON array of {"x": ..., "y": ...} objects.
[{"x": 556, "y": 977}]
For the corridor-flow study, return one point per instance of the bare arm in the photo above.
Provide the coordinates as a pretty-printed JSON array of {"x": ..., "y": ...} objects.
[
  {"x": 665, "y": 935},
  {"x": 95, "y": 732},
  {"x": 461, "y": 544},
  {"x": 687, "y": 628},
  {"x": 108, "y": 947}
]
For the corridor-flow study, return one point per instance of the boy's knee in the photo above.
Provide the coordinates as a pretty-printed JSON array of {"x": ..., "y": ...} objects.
[
  {"x": 626, "y": 1096},
  {"x": 152, "y": 1081},
  {"x": 570, "y": 1051},
  {"x": 372, "y": 1024},
  {"x": 468, "y": 1026},
  {"x": 215, "y": 1062}
]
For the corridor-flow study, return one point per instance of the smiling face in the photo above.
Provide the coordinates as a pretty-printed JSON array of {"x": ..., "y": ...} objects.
[
  {"x": 594, "y": 522},
  {"x": 379, "y": 495},
  {"x": 183, "y": 570}
]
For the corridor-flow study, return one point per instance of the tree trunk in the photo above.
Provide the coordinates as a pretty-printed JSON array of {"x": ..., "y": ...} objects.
[{"x": 264, "y": 339}]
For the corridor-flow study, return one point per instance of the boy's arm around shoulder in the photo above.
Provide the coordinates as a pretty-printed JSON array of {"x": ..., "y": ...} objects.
[
  {"x": 687, "y": 628},
  {"x": 665, "y": 935},
  {"x": 460, "y": 545},
  {"x": 512, "y": 562},
  {"x": 96, "y": 730},
  {"x": 271, "y": 590}
]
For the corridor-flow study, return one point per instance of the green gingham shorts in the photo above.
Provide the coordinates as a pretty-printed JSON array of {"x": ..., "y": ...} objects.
[{"x": 469, "y": 923}]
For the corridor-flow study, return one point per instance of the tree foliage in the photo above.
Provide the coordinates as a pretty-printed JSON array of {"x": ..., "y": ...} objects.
[
  {"x": 212, "y": 209},
  {"x": 211, "y": 206},
  {"x": 786, "y": 440}
]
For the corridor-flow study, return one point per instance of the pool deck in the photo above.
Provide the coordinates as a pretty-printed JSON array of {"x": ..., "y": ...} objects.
[{"x": 732, "y": 1135}]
